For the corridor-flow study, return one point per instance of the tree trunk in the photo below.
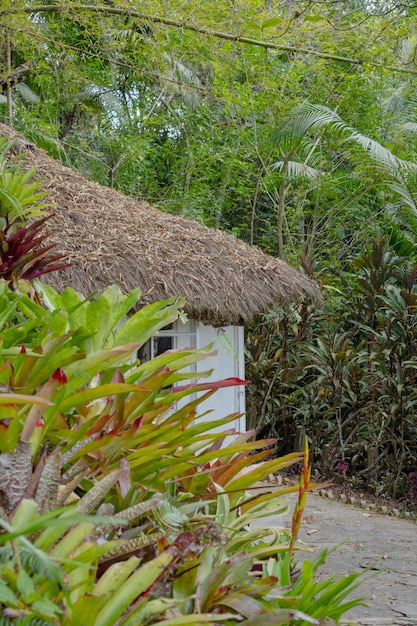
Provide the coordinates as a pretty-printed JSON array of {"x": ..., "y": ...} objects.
[
  {"x": 282, "y": 192},
  {"x": 9, "y": 87}
]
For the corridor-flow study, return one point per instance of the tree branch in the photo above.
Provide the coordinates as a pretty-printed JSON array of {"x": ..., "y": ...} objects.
[
  {"x": 14, "y": 76},
  {"x": 55, "y": 8}
]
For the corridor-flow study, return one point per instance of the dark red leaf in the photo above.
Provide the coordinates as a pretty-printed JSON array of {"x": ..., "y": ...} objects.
[
  {"x": 60, "y": 376},
  {"x": 225, "y": 382}
]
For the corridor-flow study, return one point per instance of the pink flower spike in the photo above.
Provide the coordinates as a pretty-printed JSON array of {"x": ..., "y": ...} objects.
[
  {"x": 60, "y": 376},
  {"x": 40, "y": 423}
]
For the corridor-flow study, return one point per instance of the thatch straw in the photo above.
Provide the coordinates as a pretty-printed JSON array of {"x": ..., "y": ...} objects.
[{"x": 112, "y": 238}]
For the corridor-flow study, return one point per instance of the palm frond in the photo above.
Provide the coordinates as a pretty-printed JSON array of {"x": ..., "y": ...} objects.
[
  {"x": 401, "y": 242},
  {"x": 377, "y": 151},
  {"x": 102, "y": 98},
  {"x": 296, "y": 169},
  {"x": 408, "y": 218},
  {"x": 27, "y": 93},
  {"x": 316, "y": 116},
  {"x": 408, "y": 49},
  {"x": 406, "y": 192},
  {"x": 409, "y": 127},
  {"x": 187, "y": 81},
  {"x": 307, "y": 118}
]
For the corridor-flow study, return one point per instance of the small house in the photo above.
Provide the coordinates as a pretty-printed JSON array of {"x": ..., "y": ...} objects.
[{"x": 112, "y": 238}]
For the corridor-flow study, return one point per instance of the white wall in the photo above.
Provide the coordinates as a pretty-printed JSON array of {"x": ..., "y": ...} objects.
[{"x": 229, "y": 362}]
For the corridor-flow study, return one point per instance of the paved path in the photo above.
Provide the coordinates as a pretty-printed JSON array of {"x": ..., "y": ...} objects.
[{"x": 385, "y": 543}]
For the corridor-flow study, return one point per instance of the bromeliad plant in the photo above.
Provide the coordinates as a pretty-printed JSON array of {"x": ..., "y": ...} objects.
[
  {"x": 119, "y": 505},
  {"x": 21, "y": 198},
  {"x": 23, "y": 257}
]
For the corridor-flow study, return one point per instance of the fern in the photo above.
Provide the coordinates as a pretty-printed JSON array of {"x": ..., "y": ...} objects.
[
  {"x": 169, "y": 516},
  {"x": 37, "y": 561},
  {"x": 6, "y": 554}
]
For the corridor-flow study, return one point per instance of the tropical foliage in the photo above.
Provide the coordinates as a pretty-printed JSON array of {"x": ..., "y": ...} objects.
[
  {"x": 191, "y": 106},
  {"x": 22, "y": 258},
  {"x": 118, "y": 504},
  {"x": 347, "y": 375},
  {"x": 288, "y": 123}
]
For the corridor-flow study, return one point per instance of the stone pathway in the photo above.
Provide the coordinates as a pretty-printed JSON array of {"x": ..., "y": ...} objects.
[{"x": 386, "y": 544}]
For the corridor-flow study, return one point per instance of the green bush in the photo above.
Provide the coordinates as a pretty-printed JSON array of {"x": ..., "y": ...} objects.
[{"x": 347, "y": 374}]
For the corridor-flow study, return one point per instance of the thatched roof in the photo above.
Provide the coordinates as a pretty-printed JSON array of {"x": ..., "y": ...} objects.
[{"x": 112, "y": 238}]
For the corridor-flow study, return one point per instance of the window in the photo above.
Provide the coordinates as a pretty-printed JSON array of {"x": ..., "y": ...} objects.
[{"x": 176, "y": 336}]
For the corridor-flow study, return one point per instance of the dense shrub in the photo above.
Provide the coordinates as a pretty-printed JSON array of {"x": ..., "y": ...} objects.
[{"x": 347, "y": 373}]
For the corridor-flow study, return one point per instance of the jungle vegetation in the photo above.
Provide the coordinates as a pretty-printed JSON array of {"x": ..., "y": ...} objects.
[{"x": 288, "y": 123}]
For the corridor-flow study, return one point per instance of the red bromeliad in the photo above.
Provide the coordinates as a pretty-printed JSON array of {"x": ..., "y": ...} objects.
[{"x": 21, "y": 254}]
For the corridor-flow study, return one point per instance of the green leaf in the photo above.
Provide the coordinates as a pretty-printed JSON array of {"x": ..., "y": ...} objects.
[
  {"x": 280, "y": 616},
  {"x": 6, "y": 311},
  {"x": 184, "y": 583},
  {"x": 59, "y": 324},
  {"x": 201, "y": 618},
  {"x": 115, "y": 577},
  {"x": 271, "y": 22},
  {"x": 243, "y": 604},
  {"x": 147, "y": 608},
  {"x": 7, "y": 596},
  {"x": 46, "y": 608},
  {"x": 138, "y": 582},
  {"x": 26, "y": 512},
  {"x": 72, "y": 540},
  {"x": 146, "y": 322},
  {"x": 96, "y": 362},
  {"x": 102, "y": 391},
  {"x": 120, "y": 305},
  {"x": 85, "y": 610},
  {"x": 10, "y": 201},
  {"x": 25, "y": 584},
  {"x": 20, "y": 398},
  {"x": 315, "y": 18},
  {"x": 98, "y": 323},
  {"x": 253, "y": 25}
]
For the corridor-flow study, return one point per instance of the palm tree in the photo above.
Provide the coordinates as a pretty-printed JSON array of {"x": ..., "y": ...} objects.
[{"x": 299, "y": 138}]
